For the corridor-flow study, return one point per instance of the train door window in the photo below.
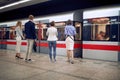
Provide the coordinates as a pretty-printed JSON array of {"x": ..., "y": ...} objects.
[
  {"x": 78, "y": 31},
  {"x": 100, "y": 29},
  {"x": 60, "y": 28},
  {"x": 12, "y": 32},
  {"x": 2, "y": 33},
  {"x": 41, "y": 31}
]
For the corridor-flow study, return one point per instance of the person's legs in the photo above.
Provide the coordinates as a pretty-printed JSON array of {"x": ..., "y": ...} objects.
[
  {"x": 67, "y": 47},
  {"x": 28, "y": 44},
  {"x": 17, "y": 49},
  {"x": 68, "y": 55},
  {"x": 54, "y": 50},
  {"x": 18, "y": 44},
  {"x": 71, "y": 56},
  {"x": 71, "y": 51},
  {"x": 50, "y": 49},
  {"x": 30, "y": 48},
  {"x": 19, "y": 54}
]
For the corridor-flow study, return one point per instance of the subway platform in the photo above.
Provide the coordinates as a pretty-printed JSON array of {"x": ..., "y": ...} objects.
[{"x": 43, "y": 69}]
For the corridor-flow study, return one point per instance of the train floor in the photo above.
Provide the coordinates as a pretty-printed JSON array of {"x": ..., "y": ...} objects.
[{"x": 43, "y": 69}]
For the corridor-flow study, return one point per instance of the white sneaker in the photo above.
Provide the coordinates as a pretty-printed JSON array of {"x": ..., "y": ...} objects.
[
  {"x": 29, "y": 60},
  {"x": 71, "y": 61}
]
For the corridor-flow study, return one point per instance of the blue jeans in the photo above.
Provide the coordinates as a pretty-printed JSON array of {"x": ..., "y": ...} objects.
[{"x": 52, "y": 44}]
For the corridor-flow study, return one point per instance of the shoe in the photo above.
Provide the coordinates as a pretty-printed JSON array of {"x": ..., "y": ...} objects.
[
  {"x": 54, "y": 60},
  {"x": 29, "y": 59},
  {"x": 18, "y": 57},
  {"x": 72, "y": 62},
  {"x": 26, "y": 60}
]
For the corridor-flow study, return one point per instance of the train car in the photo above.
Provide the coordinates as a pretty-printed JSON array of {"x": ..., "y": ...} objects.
[
  {"x": 41, "y": 42},
  {"x": 101, "y": 33}
]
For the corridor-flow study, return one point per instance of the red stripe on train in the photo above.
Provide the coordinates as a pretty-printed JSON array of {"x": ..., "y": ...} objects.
[
  {"x": 11, "y": 43},
  {"x": 84, "y": 46},
  {"x": 43, "y": 44},
  {"x": 101, "y": 47},
  {"x": 59, "y": 45}
]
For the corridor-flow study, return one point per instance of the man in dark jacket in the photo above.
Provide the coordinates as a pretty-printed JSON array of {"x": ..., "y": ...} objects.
[{"x": 30, "y": 36}]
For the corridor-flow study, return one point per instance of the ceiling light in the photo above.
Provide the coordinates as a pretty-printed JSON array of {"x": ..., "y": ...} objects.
[{"x": 13, "y": 4}]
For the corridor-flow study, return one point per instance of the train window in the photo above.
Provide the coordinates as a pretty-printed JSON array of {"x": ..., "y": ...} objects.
[
  {"x": 2, "y": 33},
  {"x": 61, "y": 35},
  {"x": 100, "y": 29},
  {"x": 60, "y": 28},
  {"x": 12, "y": 32},
  {"x": 41, "y": 31}
]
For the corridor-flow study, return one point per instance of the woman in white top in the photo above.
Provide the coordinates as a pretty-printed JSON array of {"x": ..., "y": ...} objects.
[
  {"x": 52, "y": 38},
  {"x": 19, "y": 36}
]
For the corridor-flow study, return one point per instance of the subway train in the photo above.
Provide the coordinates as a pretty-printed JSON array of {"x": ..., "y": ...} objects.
[
  {"x": 99, "y": 20},
  {"x": 98, "y": 33},
  {"x": 8, "y": 29}
]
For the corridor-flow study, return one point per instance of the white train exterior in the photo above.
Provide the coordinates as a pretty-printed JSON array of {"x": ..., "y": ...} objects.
[{"x": 105, "y": 19}]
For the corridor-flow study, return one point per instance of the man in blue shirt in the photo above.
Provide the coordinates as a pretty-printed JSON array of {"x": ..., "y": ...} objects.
[
  {"x": 70, "y": 31},
  {"x": 30, "y": 36}
]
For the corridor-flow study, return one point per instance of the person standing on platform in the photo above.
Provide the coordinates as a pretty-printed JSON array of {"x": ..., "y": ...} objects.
[
  {"x": 40, "y": 36},
  {"x": 19, "y": 37},
  {"x": 70, "y": 32},
  {"x": 30, "y": 35},
  {"x": 52, "y": 38}
]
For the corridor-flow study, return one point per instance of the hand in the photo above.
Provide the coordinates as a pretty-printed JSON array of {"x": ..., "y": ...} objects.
[
  {"x": 23, "y": 37},
  {"x": 35, "y": 40}
]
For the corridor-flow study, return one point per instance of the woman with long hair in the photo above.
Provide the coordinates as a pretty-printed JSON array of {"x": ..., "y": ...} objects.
[{"x": 19, "y": 36}]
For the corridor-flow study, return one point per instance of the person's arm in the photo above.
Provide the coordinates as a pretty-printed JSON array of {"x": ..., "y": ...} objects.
[
  {"x": 74, "y": 31},
  {"x": 25, "y": 30},
  {"x": 20, "y": 33},
  {"x": 47, "y": 33},
  {"x": 65, "y": 31},
  {"x": 33, "y": 31},
  {"x": 56, "y": 32}
]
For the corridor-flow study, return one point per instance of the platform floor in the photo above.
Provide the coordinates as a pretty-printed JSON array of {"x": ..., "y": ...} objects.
[{"x": 43, "y": 69}]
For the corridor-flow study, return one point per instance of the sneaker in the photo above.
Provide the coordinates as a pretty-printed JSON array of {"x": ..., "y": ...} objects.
[
  {"x": 54, "y": 60},
  {"x": 29, "y": 60},
  {"x": 26, "y": 60},
  {"x": 72, "y": 62}
]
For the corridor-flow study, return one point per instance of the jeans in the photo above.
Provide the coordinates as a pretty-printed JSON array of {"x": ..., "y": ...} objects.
[{"x": 52, "y": 44}]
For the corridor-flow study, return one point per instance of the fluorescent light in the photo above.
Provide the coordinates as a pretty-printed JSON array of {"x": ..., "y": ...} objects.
[{"x": 13, "y": 4}]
